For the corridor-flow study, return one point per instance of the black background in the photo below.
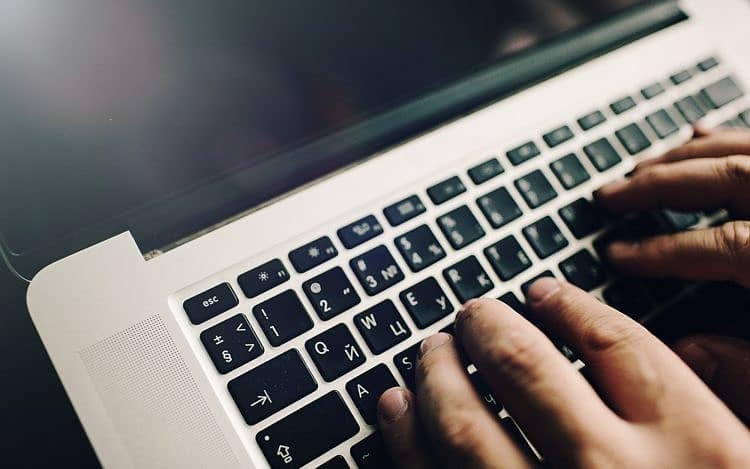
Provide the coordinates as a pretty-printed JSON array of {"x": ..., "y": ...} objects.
[{"x": 39, "y": 426}]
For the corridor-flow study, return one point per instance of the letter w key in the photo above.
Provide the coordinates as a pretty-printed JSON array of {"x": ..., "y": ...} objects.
[{"x": 381, "y": 326}]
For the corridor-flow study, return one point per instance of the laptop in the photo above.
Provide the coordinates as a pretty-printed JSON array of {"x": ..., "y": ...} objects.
[{"x": 238, "y": 220}]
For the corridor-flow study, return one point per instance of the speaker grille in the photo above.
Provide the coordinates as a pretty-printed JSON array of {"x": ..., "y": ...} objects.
[{"x": 153, "y": 401}]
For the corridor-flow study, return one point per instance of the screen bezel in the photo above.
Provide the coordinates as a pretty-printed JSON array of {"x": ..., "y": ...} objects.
[{"x": 165, "y": 222}]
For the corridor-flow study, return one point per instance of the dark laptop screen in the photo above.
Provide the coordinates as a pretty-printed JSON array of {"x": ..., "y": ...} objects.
[{"x": 107, "y": 105}]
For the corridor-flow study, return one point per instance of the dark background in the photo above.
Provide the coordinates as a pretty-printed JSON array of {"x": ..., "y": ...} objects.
[{"x": 39, "y": 426}]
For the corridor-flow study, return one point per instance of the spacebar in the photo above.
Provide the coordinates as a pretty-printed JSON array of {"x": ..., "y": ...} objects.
[{"x": 304, "y": 435}]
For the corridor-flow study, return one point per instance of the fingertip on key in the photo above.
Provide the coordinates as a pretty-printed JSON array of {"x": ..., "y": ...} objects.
[
  {"x": 393, "y": 404},
  {"x": 542, "y": 289}
]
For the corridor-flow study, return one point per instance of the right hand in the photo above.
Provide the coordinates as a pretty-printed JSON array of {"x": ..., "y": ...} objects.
[{"x": 710, "y": 172}]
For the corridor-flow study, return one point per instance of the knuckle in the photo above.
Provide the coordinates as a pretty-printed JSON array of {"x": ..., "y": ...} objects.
[
  {"x": 519, "y": 356},
  {"x": 462, "y": 433},
  {"x": 610, "y": 333},
  {"x": 734, "y": 237},
  {"x": 737, "y": 169}
]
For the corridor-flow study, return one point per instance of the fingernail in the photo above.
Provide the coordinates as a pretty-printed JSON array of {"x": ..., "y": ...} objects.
[
  {"x": 393, "y": 404},
  {"x": 613, "y": 187},
  {"x": 542, "y": 289},
  {"x": 700, "y": 360},
  {"x": 620, "y": 249},
  {"x": 468, "y": 304},
  {"x": 433, "y": 342}
]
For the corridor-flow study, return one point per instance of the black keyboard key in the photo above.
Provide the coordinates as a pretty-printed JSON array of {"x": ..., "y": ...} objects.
[
  {"x": 426, "y": 302},
  {"x": 485, "y": 393},
  {"x": 582, "y": 218},
  {"x": 652, "y": 91},
  {"x": 736, "y": 122},
  {"x": 335, "y": 352},
  {"x": 507, "y": 258},
  {"x": 622, "y": 105},
  {"x": 336, "y": 463},
  {"x": 662, "y": 123},
  {"x": 569, "y": 171},
  {"x": 376, "y": 270},
  {"x": 331, "y": 293},
  {"x": 419, "y": 248},
  {"x": 282, "y": 317},
  {"x": 690, "y": 110},
  {"x": 406, "y": 362},
  {"x": 629, "y": 296},
  {"x": 602, "y": 154},
  {"x": 272, "y": 386},
  {"x": 309, "y": 432},
  {"x": 483, "y": 172},
  {"x": 591, "y": 120},
  {"x": 523, "y": 153},
  {"x": 640, "y": 227},
  {"x": 263, "y": 278},
  {"x": 679, "y": 221},
  {"x": 708, "y": 64},
  {"x": 403, "y": 211},
  {"x": 633, "y": 139},
  {"x": 366, "y": 389},
  {"x": 535, "y": 189},
  {"x": 313, "y": 254},
  {"x": 210, "y": 303},
  {"x": 381, "y": 326},
  {"x": 681, "y": 77},
  {"x": 558, "y": 136},
  {"x": 446, "y": 190},
  {"x": 526, "y": 285},
  {"x": 354, "y": 234},
  {"x": 370, "y": 453},
  {"x": 512, "y": 300},
  {"x": 460, "y": 227},
  {"x": 499, "y": 208},
  {"x": 512, "y": 430},
  {"x": 745, "y": 116},
  {"x": 545, "y": 237},
  {"x": 722, "y": 92},
  {"x": 583, "y": 271},
  {"x": 662, "y": 290},
  {"x": 468, "y": 279},
  {"x": 231, "y": 343}
]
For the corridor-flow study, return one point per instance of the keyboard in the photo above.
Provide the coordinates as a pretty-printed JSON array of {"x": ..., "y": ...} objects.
[{"x": 306, "y": 341}]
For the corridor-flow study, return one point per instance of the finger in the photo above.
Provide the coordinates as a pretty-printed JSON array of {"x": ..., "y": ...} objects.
[
  {"x": 700, "y": 130},
  {"x": 399, "y": 425},
  {"x": 720, "y": 253},
  {"x": 724, "y": 365},
  {"x": 691, "y": 185},
  {"x": 463, "y": 431},
  {"x": 549, "y": 399},
  {"x": 706, "y": 144},
  {"x": 640, "y": 377}
]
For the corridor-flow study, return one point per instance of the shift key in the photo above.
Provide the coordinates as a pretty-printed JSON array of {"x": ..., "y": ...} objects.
[{"x": 309, "y": 432}]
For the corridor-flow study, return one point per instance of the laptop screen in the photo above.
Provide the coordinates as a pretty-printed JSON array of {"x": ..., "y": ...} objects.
[{"x": 108, "y": 105}]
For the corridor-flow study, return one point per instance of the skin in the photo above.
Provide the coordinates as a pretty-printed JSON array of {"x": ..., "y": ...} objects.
[{"x": 641, "y": 404}]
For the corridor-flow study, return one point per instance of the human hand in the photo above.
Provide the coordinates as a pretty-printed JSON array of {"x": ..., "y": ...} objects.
[
  {"x": 648, "y": 409},
  {"x": 710, "y": 172}
]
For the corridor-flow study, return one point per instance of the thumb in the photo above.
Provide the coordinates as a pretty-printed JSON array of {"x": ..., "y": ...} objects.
[
  {"x": 720, "y": 253},
  {"x": 723, "y": 364}
]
